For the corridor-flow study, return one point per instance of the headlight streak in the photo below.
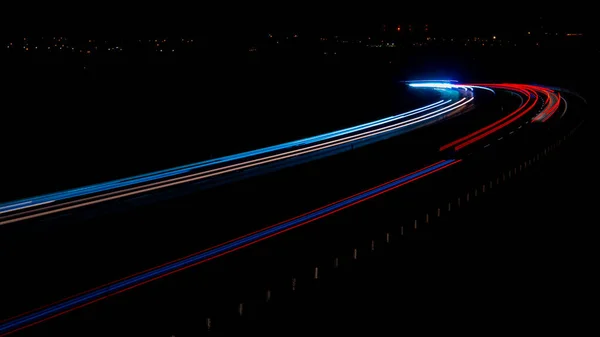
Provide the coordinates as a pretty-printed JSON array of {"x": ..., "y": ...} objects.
[
  {"x": 152, "y": 186},
  {"x": 16, "y": 205}
]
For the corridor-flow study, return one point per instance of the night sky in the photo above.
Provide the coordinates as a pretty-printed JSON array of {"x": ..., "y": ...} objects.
[{"x": 165, "y": 19}]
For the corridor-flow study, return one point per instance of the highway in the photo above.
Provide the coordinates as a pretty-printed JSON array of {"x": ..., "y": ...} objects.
[{"x": 537, "y": 107}]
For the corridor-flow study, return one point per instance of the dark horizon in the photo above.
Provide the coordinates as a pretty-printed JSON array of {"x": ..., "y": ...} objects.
[{"x": 110, "y": 22}]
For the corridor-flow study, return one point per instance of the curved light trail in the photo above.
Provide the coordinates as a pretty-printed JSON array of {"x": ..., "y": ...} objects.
[
  {"x": 16, "y": 205},
  {"x": 86, "y": 298},
  {"x": 443, "y": 85},
  {"x": 531, "y": 95},
  {"x": 71, "y": 199},
  {"x": 566, "y": 106},
  {"x": 551, "y": 106}
]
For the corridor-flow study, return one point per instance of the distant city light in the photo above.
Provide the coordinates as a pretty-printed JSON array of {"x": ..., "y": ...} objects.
[{"x": 54, "y": 44}]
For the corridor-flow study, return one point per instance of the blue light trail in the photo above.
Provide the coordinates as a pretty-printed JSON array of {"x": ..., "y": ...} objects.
[
  {"x": 94, "y": 295},
  {"x": 144, "y": 178}
]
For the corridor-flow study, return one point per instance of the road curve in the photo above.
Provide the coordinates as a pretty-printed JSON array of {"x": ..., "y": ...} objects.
[{"x": 539, "y": 105}]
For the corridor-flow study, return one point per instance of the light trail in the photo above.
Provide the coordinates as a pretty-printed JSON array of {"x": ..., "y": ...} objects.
[
  {"x": 45, "y": 313},
  {"x": 551, "y": 106},
  {"x": 15, "y": 205},
  {"x": 152, "y": 186},
  {"x": 20, "y": 204},
  {"x": 498, "y": 127},
  {"x": 566, "y": 105},
  {"x": 442, "y": 85},
  {"x": 435, "y": 110},
  {"x": 429, "y": 81},
  {"x": 474, "y": 136}
]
